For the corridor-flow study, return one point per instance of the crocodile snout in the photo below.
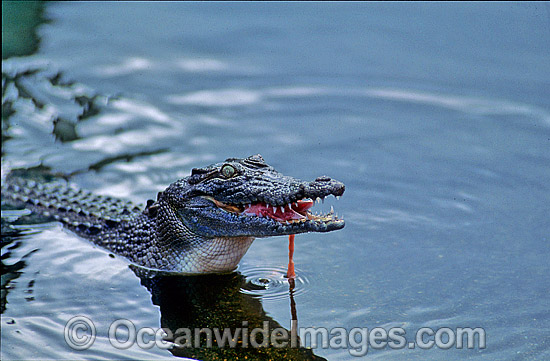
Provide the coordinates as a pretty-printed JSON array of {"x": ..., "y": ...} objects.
[
  {"x": 323, "y": 186},
  {"x": 323, "y": 178}
]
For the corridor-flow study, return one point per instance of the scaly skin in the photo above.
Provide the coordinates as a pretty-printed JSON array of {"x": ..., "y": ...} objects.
[{"x": 203, "y": 223}]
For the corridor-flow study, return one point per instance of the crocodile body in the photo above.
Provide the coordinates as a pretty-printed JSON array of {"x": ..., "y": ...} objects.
[{"x": 203, "y": 223}]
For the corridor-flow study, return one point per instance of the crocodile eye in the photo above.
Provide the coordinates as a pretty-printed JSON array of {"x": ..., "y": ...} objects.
[{"x": 228, "y": 171}]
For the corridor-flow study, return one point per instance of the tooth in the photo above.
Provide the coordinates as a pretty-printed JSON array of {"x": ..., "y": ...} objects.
[
  {"x": 282, "y": 209},
  {"x": 317, "y": 200},
  {"x": 331, "y": 209},
  {"x": 338, "y": 197}
]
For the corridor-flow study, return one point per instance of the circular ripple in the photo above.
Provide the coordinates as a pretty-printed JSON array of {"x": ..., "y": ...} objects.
[{"x": 271, "y": 282}]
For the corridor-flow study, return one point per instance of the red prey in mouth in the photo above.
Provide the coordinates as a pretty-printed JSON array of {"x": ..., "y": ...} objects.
[{"x": 288, "y": 212}]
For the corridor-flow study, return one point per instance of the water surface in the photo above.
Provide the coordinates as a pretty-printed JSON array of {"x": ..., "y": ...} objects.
[{"x": 435, "y": 116}]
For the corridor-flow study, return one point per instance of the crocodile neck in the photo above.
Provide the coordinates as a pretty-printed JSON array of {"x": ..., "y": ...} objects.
[{"x": 161, "y": 243}]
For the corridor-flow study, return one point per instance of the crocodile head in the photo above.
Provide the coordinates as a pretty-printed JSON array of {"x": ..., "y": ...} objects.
[{"x": 247, "y": 197}]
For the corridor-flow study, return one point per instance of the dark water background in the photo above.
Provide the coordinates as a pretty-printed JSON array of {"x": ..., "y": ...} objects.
[{"x": 435, "y": 116}]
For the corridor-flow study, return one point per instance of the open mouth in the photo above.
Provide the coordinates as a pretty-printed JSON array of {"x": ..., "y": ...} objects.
[{"x": 295, "y": 212}]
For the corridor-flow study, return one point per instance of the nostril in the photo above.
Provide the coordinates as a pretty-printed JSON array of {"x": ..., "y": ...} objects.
[{"x": 323, "y": 179}]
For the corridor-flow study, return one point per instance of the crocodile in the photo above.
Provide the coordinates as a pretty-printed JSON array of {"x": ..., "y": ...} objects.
[{"x": 200, "y": 224}]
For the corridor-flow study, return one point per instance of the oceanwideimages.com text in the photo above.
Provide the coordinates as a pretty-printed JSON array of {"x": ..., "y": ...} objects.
[{"x": 80, "y": 333}]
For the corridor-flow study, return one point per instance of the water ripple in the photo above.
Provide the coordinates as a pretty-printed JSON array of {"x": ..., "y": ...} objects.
[{"x": 271, "y": 282}]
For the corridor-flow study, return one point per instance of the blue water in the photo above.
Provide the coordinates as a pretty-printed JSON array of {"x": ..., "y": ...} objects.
[{"x": 435, "y": 116}]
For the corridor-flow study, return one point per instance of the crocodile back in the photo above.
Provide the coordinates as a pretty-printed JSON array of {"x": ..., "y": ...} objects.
[{"x": 82, "y": 211}]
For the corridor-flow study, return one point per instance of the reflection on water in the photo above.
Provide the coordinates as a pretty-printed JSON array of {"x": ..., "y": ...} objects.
[
  {"x": 19, "y": 23},
  {"x": 216, "y": 302}
]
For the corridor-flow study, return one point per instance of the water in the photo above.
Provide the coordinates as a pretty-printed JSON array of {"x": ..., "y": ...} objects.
[{"x": 435, "y": 116}]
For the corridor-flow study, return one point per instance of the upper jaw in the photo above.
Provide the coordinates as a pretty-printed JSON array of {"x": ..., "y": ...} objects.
[
  {"x": 292, "y": 210},
  {"x": 283, "y": 191}
]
